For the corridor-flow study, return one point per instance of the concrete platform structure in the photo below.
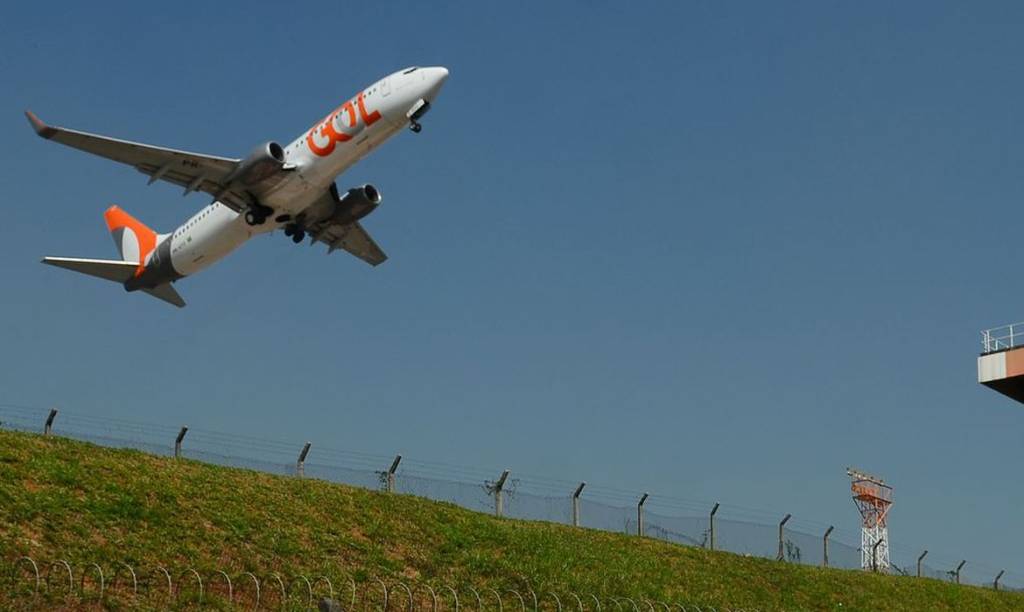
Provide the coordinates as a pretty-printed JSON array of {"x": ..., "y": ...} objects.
[{"x": 1001, "y": 364}]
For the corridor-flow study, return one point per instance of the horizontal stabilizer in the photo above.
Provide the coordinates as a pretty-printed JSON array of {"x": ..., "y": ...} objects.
[
  {"x": 166, "y": 293},
  {"x": 117, "y": 271}
]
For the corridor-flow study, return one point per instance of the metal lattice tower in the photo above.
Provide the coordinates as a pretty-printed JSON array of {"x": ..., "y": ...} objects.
[{"x": 873, "y": 499}]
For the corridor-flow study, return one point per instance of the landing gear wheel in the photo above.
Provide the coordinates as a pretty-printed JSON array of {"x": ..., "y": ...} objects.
[
  {"x": 295, "y": 231},
  {"x": 253, "y": 218},
  {"x": 257, "y": 214},
  {"x": 416, "y": 128}
]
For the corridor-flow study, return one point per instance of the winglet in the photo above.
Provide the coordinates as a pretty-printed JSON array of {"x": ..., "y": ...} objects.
[{"x": 41, "y": 128}]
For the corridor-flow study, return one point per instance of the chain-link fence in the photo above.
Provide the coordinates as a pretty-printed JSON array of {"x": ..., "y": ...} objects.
[{"x": 731, "y": 528}]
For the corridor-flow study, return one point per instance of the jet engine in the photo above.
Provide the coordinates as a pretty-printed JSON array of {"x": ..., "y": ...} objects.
[
  {"x": 342, "y": 209},
  {"x": 355, "y": 204},
  {"x": 264, "y": 161}
]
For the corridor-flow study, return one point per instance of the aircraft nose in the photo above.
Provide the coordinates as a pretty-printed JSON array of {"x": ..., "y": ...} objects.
[{"x": 435, "y": 77}]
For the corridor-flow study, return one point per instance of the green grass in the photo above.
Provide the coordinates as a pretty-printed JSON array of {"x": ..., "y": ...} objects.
[{"x": 63, "y": 499}]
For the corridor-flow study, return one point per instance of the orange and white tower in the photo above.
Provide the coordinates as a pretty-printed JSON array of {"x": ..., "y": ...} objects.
[{"x": 873, "y": 499}]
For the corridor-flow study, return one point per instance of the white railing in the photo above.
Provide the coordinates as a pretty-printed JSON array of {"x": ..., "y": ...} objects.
[{"x": 1002, "y": 338}]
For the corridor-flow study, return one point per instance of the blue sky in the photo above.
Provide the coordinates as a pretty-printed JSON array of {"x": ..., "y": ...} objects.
[{"x": 715, "y": 250}]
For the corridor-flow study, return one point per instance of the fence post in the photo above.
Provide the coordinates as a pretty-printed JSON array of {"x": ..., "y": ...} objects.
[
  {"x": 782, "y": 525},
  {"x": 576, "y": 504},
  {"x": 498, "y": 486},
  {"x": 874, "y": 554},
  {"x": 919, "y": 559},
  {"x": 824, "y": 559},
  {"x": 48, "y": 428},
  {"x": 958, "y": 568},
  {"x": 998, "y": 576},
  {"x": 390, "y": 482},
  {"x": 640, "y": 515},
  {"x": 177, "y": 442},
  {"x": 712, "y": 522},
  {"x": 300, "y": 465}
]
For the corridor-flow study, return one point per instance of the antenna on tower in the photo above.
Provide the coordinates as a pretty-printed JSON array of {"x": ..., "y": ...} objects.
[{"x": 873, "y": 499}]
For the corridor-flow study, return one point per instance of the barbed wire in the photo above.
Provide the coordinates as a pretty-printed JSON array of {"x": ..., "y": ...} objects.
[{"x": 66, "y": 582}]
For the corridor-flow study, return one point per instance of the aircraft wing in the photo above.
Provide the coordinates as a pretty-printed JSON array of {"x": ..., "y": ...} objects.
[
  {"x": 349, "y": 237},
  {"x": 193, "y": 171},
  {"x": 352, "y": 238}
]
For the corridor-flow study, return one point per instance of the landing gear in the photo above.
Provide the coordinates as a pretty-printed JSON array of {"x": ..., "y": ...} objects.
[
  {"x": 297, "y": 233},
  {"x": 257, "y": 215},
  {"x": 415, "y": 113}
]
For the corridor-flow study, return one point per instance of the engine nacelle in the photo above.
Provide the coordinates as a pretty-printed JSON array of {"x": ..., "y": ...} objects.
[
  {"x": 264, "y": 161},
  {"x": 355, "y": 204}
]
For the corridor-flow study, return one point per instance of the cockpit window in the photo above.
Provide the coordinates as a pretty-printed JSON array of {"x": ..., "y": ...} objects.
[{"x": 410, "y": 70}]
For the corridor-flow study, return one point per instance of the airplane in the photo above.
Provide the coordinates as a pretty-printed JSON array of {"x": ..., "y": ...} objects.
[{"x": 291, "y": 187}]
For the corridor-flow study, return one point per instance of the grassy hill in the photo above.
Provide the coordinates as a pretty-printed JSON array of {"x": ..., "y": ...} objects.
[{"x": 62, "y": 499}]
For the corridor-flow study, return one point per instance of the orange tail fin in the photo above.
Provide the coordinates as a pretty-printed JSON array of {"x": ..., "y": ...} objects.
[{"x": 134, "y": 240}]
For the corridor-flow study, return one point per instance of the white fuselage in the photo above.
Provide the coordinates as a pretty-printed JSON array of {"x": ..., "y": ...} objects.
[{"x": 317, "y": 157}]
